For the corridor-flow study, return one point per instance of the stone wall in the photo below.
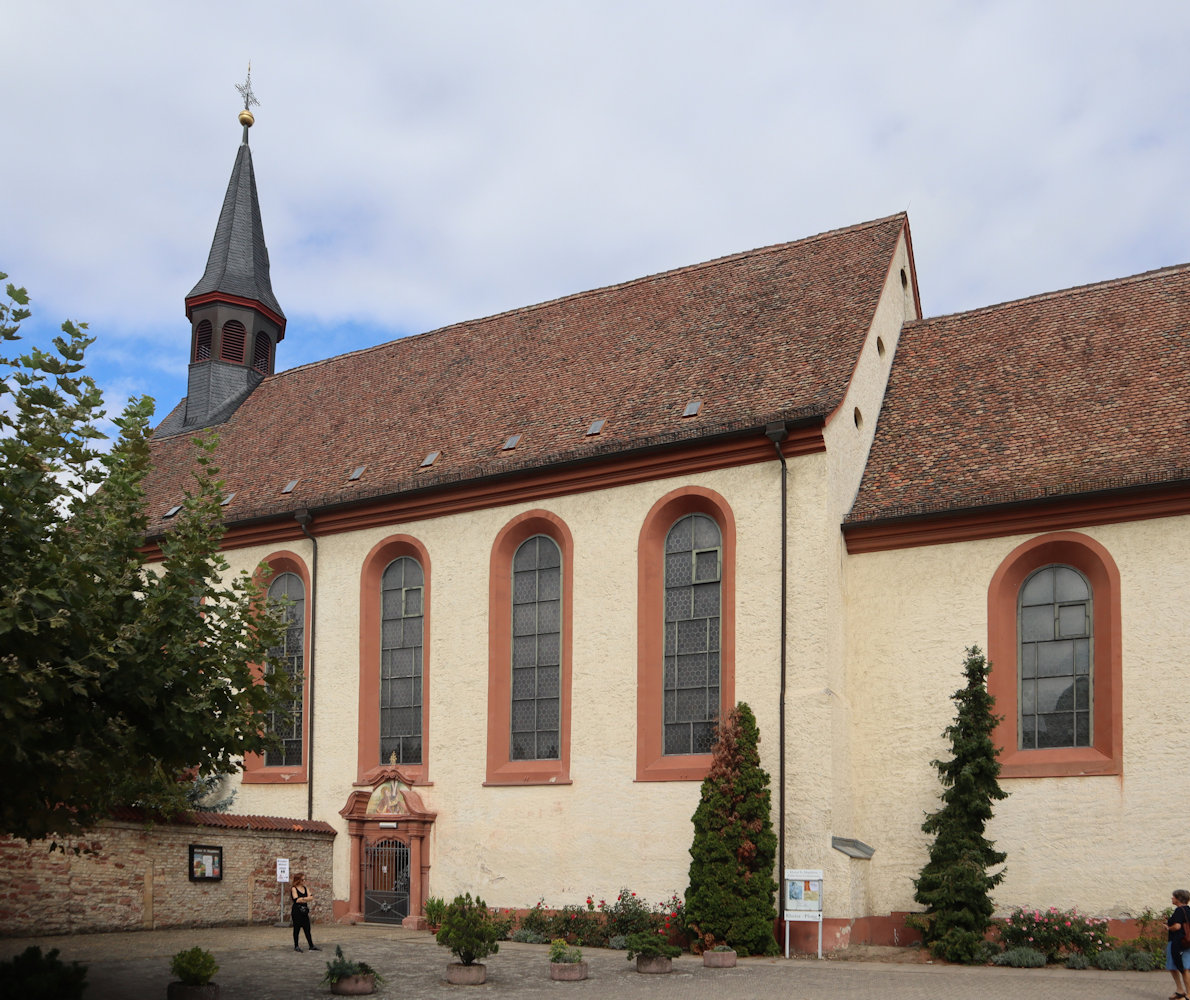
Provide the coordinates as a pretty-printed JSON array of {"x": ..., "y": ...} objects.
[{"x": 131, "y": 876}]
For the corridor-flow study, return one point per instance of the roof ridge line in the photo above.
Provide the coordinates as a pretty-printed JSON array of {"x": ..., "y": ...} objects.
[
  {"x": 601, "y": 289},
  {"x": 1055, "y": 294}
]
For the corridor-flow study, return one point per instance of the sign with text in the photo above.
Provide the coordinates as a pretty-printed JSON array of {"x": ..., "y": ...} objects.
[
  {"x": 803, "y": 894},
  {"x": 283, "y": 869}
]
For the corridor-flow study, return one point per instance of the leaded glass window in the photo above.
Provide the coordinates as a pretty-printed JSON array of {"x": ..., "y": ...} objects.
[
  {"x": 693, "y": 592},
  {"x": 1054, "y": 623},
  {"x": 536, "y": 650},
  {"x": 402, "y": 596},
  {"x": 288, "y": 594}
]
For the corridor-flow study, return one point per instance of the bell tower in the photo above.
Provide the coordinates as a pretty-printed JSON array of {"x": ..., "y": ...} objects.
[{"x": 236, "y": 322}]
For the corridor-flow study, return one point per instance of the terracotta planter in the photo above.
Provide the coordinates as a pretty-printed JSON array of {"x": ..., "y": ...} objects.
[
  {"x": 459, "y": 974},
  {"x": 718, "y": 959},
  {"x": 354, "y": 986},
  {"x": 654, "y": 965},
  {"x": 182, "y": 991},
  {"x": 568, "y": 972}
]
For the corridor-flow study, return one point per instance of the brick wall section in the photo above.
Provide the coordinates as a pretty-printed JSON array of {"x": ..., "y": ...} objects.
[{"x": 131, "y": 877}]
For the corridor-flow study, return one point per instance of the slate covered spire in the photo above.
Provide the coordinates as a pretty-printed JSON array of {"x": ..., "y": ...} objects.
[
  {"x": 238, "y": 263},
  {"x": 236, "y": 322}
]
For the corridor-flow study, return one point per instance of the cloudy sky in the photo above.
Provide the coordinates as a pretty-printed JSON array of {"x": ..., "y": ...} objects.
[{"x": 424, "y": 163}]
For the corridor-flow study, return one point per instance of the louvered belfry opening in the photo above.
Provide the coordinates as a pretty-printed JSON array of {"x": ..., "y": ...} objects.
[
  {"x": 260, "y": 353},
  {"x": 231, "y": 343},
  {"x": 202, "y": 341}
]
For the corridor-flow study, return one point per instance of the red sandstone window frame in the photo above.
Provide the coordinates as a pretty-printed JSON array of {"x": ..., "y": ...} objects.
[
  {"x": 501, "y": 770},
  {"x": 371, "y": 575},
  {"x": 255, "y": 770},
  {"x": 1089, "y": 557},
  {"x": 651, "y": 763}
]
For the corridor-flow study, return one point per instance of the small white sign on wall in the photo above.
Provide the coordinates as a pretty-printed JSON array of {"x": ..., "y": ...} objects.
[{"x": 283, "y": 869}]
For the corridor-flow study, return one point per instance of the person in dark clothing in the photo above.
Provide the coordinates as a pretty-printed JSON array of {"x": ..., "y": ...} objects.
[
  {"x": 1178, "y": 926},
  {"x": 299, "y": 913}
]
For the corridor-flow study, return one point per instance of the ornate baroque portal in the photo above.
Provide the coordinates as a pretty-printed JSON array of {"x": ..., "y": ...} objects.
[{"x": 384, "y": 814}]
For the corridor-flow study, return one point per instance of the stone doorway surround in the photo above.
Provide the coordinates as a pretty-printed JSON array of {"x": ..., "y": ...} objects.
[{"x": 384, "y": 806}]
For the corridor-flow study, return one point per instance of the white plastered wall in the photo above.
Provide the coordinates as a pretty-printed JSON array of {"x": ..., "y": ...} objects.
[
  {"x": 1102, "y": 844},
  {"x": 605, "y": 830}
]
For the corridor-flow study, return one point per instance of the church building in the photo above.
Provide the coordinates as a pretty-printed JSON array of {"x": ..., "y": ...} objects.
[{"x": 534, "y": 557}]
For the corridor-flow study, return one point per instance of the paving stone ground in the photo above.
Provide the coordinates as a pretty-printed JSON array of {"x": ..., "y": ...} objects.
[{"x": 259, "y": 963}]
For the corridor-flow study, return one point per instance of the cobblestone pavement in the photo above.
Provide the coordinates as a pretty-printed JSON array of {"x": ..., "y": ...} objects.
[{"x": 259, "y": 963}]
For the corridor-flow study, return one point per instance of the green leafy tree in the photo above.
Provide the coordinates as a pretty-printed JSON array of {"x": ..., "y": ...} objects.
[
  {"x": 117, "y": 680},
  {"x": 955, "y": 884},
  {"x": 731, "y": 894}
]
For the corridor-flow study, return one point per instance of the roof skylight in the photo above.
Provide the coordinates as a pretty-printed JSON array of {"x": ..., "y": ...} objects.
[
  {"x": 596, "y": 427},
  {"x": 359, "y": 471},
  {"x": 511, "y": 442},
  {"x": 430, "y": 459},
  {"x": 692, "y": 408}
]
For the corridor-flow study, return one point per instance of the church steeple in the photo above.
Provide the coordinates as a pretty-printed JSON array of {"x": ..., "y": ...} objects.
[{"x": 236, "y": 321}]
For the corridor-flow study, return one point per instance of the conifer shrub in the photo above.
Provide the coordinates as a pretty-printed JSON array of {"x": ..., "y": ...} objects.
[
  {"x": 468, "y": 930},
  {"x": 955, "y": 885},
  {"x": 730, "y": 898}
]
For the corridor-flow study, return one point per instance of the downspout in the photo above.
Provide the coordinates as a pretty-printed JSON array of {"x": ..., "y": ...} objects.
[
  {"x": 777, "y": 433},
  {"x": 303, "y": 517}
]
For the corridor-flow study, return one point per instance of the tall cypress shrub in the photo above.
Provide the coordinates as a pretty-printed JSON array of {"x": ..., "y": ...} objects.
[
  {"x": 730, "y": 899},
  {"x": 954, "y": 885}
]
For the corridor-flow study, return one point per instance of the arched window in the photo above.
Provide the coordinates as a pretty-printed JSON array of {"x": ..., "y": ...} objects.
[
  {"x": 536, "y": 649},
  {"x": 287, "y": 593},
  {"x": 1055, "y": 625},
  {"x": 401, "y": 640},
  {"x": 685, "y": 674},
  {"x": 529, "y": 651},
  {"x": 260, "y": 353},
  {"x": 1054, "y": 645},
  {"x": 693, "y": 574},
  {"x": 202, "y": 341},
  {"x": 232, "y": 341}
]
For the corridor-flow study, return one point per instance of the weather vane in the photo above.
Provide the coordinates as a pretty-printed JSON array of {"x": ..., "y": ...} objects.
[{"x": 245, "y": 90}]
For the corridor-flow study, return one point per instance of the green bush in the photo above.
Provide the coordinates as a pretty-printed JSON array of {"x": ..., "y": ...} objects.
[
  {"x": 538, "y": 920},
  {"x": 629, "y": 914},
  {"x": 1054, "y": 932},
  {"x": 579, "y": 924},
  {"x": 1141, "y": 961},
  {"x": 617, "y": 942},
  {"x": 1114, "y": 960},
  {"x": 650, "y": 945},
  {"x": 342, "y": 968},
  {"x": 562, "y": 952},
  {"x": 468, "y": 930},
  {"x": 434, "y": 909},
  {"x": 732, "y": 895},
  {"x": 1020, "y": 958},
  {"x": 34, "y": 976},
  {"x": 194, "y": 966},
  {"x": 522, "y": 935},
  {"x": 1076, "y": 961}
]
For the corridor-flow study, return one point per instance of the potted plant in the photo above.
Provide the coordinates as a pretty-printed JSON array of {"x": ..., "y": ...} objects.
[
  {"x": 652, "y": 952},
  {"x": 468, "y": 931},
  {"x": 566, "y": 962},
  {"x": 195, "y": 968},
  {"x": 434, "y": 907},
  {"x": 721, "y": 956},
  {"x": 348, "y": 978}
]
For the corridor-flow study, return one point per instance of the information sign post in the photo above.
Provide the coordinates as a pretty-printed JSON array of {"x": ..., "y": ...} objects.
[
  {"x": 282, "y": 881},
  {"x": 802, "y": 899}
]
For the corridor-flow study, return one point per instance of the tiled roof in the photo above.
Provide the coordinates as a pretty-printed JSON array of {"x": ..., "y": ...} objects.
[
  {"x": 238, "y": 263},
  {"x": 769, "y": 334},
  {"x": 1068, "y": 393},
  {"x": 226, "y": 821}
]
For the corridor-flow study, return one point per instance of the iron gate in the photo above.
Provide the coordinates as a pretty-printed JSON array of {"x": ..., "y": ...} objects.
[{"x": 386, "y": 882}]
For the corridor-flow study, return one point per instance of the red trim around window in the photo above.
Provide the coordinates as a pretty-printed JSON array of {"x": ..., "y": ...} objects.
[
  {"x": 1094, "y": 561},
  {"x": 255, "y": 771},
  {"x": 500, "y": 769},
  {"x": 651, "y": 763},
  {"x": 375, "y": 563}
]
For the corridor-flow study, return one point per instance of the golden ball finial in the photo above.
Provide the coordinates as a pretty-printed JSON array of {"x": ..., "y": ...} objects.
[{"x": 246, "y": 118}]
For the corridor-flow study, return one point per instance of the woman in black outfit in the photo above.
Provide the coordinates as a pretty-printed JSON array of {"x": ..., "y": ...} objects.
[{"x": 299, "y": 913}]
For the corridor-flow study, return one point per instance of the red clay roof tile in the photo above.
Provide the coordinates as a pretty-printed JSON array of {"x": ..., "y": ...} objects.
[
  {"x": 768, "y": 334},
  {"x": 1066, "y": 393}
]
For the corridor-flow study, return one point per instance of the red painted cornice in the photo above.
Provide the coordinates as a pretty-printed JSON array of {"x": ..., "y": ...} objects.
[
  {"x": 1112, "y": 507},
  {"x": 236, "y": 300}
]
